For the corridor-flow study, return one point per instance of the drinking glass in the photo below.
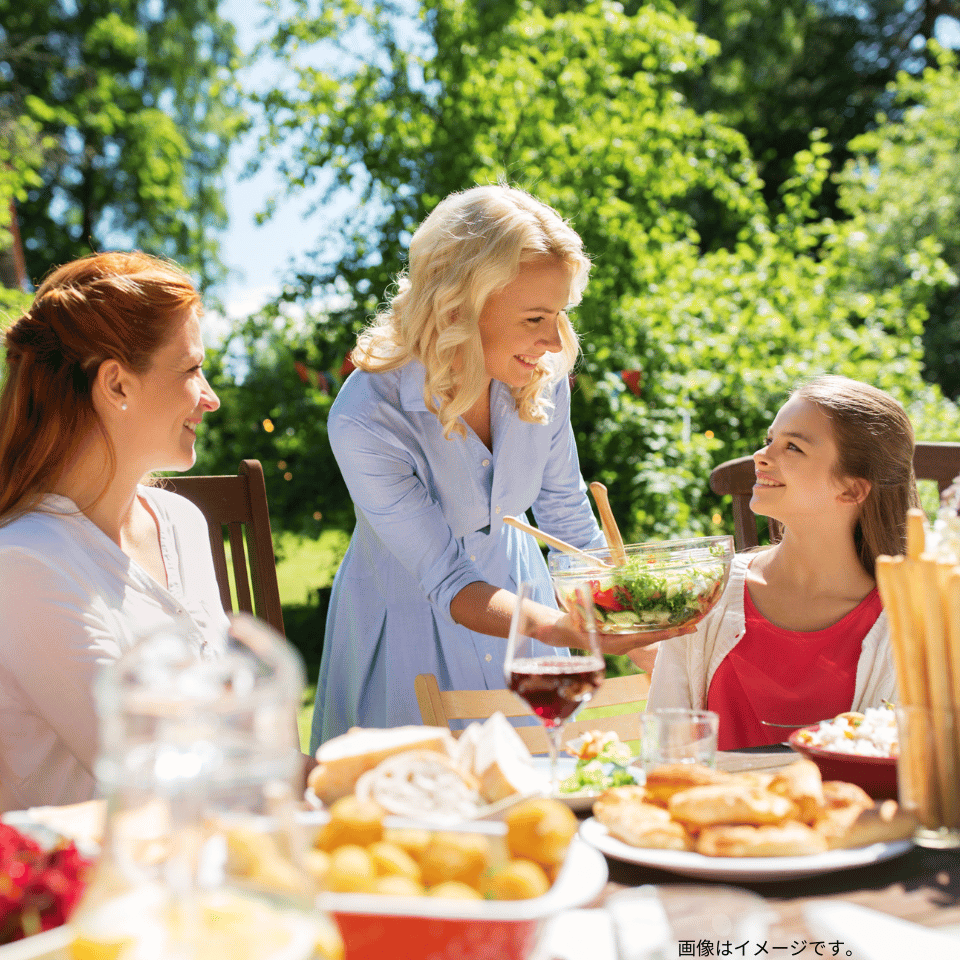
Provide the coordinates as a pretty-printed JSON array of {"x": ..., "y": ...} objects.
[
  {"x": 677, "y": 735},
  {"x": 927, "y": 773},
  {"x": 551, "y": 683}
]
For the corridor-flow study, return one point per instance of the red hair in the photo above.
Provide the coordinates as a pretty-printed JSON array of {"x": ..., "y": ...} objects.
[{"x": 107, "y": 306}]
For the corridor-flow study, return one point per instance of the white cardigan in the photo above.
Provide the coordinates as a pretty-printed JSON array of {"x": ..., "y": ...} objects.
[{"x": 685, "y": 665}]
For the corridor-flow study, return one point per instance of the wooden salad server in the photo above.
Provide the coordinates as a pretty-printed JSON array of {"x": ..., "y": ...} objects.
[
  {"x": 610, "y": 529},
  {"x": 551, "y": 541}
]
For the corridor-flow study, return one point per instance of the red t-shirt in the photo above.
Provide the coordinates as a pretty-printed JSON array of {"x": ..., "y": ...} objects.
[{"x": 787, "y": 676}]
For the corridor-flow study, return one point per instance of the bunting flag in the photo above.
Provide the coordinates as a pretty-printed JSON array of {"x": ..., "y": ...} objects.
[
  {"x": 316, "y": 378},
  {"x": 633, "y": 379}
]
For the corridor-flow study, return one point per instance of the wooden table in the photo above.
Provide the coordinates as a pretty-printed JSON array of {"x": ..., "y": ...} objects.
[{"x": 923, "y": 885}]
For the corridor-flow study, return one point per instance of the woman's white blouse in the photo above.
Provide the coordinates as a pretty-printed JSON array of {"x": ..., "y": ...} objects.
[
  {"x": 429, "y": 522},
  {"x": 72, "y": 601}
]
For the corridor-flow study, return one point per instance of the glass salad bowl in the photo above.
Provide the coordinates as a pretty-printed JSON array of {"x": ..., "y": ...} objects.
[{"x": 660, "y": 586}]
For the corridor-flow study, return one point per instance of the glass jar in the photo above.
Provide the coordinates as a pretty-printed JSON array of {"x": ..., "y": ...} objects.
[{"x": 203, "y": 856}]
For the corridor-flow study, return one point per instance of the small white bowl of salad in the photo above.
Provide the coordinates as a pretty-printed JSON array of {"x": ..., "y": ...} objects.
[{"x": 658, "y": 586}]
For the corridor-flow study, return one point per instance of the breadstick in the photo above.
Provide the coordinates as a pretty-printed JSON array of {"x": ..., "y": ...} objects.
[
  {"x": 940, "y": 694},
  {"x": 916, "y": 537},
  {"x": 887, "y": 572},
  {"x": 921, "y": 786}
]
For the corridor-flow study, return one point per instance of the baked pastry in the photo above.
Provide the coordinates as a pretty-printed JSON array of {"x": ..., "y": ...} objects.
[
  {"x": 801, "y": 783},
  {"x": 646, "y": 825},
  {"x": 618, "y": 796},
  {"x": 854, "y": 826},
  {"x": 729, "y": 803},
  {"x": 787, "y": 839},
  {"x": 839, "y": 793},
  {"x": 664, "y": 781}
]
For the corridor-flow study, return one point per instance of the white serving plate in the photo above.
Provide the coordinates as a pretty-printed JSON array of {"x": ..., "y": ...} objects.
[{"x": 747, "y": 869}]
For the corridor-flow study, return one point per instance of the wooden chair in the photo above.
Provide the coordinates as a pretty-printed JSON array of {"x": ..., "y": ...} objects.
[
  {"x": 438, "y": 707},
  {"x": 239, "y": 503},
  {"x": 939, "y": 462}
]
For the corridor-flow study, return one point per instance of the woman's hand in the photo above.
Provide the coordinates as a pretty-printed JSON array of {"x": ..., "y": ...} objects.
[
  {"x": 617, "y": 644},
  {"x": 568, "y": 632}
]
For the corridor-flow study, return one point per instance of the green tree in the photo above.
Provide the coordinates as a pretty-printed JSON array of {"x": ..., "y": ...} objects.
[
  {"x": 275, "y": 396},
  {"x": 21, "y": 153},
  {"x": 787, "y": 67},
  {"x": 142, "y": 101},
  {"x": 586, "y": 108},
  {"x": 901, "y": 195}
]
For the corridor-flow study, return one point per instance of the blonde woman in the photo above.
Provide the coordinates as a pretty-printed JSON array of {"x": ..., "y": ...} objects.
[{"x": 457, "y": 417}]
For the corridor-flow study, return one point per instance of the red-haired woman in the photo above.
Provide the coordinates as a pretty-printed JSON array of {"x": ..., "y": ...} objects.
[{"x": 104, "y": 384}]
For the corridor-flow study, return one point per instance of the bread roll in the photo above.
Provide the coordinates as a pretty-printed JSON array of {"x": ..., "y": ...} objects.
[{"x": 342, "y": 760}]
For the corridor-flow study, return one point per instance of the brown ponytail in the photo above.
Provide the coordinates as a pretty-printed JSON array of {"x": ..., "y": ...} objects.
[{"x": 120, "y": 306}]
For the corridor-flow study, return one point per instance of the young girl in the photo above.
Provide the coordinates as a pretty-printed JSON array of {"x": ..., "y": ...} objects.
[{"x": 799, "y": 634}]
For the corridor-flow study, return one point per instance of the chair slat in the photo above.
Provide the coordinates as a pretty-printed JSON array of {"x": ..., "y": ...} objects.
[
  {"x": 238, "y": 556},
  {"x": 240, "y": 504},
  {"x": 936, "y": 461},
  {"x": 440, "y": 707}
]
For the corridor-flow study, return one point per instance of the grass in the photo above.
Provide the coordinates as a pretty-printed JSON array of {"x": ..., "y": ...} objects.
[{"x": 304, "y": 564}]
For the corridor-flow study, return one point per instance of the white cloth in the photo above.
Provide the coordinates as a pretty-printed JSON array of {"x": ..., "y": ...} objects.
[
  {"x": 429, "y": 522},
  {"x": 71, "y": 601},
  {"x": 867, "y": 934},
  {"x": 685, "y": 665}
]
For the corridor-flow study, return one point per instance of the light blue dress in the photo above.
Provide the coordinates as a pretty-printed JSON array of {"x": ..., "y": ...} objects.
[{"x": 430, "y": 521}]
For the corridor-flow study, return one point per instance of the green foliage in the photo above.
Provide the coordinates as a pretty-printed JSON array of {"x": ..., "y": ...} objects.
[
  {"x": 269, "y": 413},
  {"x": 902, "y": 197},
  {"x": 787, "y": 67},
  {"x": 142, "y": 104},
  {"x": 718, "y": 296}
]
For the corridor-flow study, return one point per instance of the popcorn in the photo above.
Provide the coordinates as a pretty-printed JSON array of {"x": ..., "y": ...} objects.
[{"x": 871, "y": 734}]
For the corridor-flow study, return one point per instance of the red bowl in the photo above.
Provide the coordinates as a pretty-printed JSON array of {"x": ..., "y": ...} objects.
[
  {"x": 876, "y": 775},
  {"x": 422, "y": 928}
]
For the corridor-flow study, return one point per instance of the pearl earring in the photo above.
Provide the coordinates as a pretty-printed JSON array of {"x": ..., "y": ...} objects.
[{"x": 123, "y": 406}]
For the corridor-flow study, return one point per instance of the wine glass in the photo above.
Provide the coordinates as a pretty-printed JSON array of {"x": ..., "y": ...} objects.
[{"x": 553, "y": 684}]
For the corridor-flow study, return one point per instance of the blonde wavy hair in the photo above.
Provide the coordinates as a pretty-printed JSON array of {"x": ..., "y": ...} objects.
[{"x": 472, "y": 245}]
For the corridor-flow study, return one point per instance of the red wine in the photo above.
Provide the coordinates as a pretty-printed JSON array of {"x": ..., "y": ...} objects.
[{"x": 555, "y": 686}]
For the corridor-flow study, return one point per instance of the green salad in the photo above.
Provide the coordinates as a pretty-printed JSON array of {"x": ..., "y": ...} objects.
[
  {"x": 602, "y": 763},
  {"x": 643, "y": 595}
]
